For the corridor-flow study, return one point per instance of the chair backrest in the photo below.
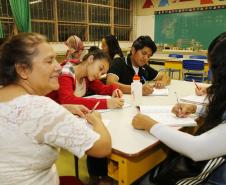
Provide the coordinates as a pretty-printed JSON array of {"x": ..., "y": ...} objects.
[
  {"x": 198, "y": 57},
  {"x": 174, "y": 55},
  {"x": 193, "y": 64}
]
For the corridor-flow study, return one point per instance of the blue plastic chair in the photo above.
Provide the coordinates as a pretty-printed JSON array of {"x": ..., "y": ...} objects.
[
  {"x": 198, "y": 57},
  {"x": 174, "y": 55},
  {"x": 193, "y": 70}
]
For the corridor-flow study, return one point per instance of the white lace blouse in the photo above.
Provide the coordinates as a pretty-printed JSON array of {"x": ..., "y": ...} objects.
[{"x": 32, "y": 129}]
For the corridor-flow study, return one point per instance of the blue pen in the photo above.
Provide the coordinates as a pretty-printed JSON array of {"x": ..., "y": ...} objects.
[{"x": 143, "y": 78}]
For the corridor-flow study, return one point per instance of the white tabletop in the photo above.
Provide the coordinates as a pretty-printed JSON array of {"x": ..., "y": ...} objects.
[{"x": 129, "y": 141}]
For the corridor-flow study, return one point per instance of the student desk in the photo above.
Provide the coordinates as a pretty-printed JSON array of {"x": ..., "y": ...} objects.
[
  {"x": 175, "y": 63},
  {"x": 135, "y": 152}
]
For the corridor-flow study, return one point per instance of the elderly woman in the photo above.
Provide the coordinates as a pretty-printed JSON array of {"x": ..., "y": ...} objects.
[{"x": 32, "y": 127}]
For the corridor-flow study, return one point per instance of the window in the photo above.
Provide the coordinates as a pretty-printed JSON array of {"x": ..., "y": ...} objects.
[
  {"x": 88, "y": 19},
  {"x": 6, "y": 18}
]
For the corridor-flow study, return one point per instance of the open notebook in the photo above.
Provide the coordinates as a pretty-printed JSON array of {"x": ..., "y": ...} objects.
[
  {"x": 106, "y": 97},
  {"x": 163, "y": 115},
  {"x": 195, "y": 99}
]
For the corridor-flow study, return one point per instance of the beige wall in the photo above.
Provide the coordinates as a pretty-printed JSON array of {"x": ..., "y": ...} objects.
[{"x": 190, "y": 4}]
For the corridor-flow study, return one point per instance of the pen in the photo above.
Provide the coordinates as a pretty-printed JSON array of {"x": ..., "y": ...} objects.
[
  {"x": 178, "y": 101},
  {"x": 117, "y": 93},
  {"x": 196, "y": 84},
  {"x": 143, "y": 79},
  {"x": 95, "y": 106}
]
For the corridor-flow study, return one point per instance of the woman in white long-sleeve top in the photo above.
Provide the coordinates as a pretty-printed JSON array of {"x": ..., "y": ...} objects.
[
  {"x": 32, "y": 127},
  {"x": 208, "y": 143}
]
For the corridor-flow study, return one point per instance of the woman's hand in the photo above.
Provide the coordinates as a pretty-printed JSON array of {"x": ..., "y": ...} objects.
[
  {"x": 143, "y": 122},
  {"x": 201, "y": 90},
  {"x": 115, "y": 103},
  {"x": 117, "y": 93},
  {"x": 93, "y": 118},
  {"x": 182, "y": 110},
  {"x": 79, "y": 110},
  {"x": 147, "y": 89}
]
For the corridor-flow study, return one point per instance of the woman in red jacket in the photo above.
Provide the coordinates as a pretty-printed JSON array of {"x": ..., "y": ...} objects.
[{"x": 76, "y": 79}]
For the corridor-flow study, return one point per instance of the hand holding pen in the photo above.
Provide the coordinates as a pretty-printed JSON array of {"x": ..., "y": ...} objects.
[
  {"x": 95, "y": 106},
  {"x": 117, "y": 93},
  {"x": 196, "y": 85},
  {"x": 200, "y": 90},
  {"x": 179, "y": 108},
  {"x": 183, "y": 110},
  {"x": 147, "y": 87}
]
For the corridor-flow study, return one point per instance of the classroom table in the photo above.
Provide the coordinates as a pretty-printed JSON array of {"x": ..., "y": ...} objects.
[
  {"x": 174, "y": 63},
  {"x": 135, "y": 152}
]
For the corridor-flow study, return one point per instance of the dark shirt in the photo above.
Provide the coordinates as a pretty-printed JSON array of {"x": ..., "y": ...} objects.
[{"x": 122, "y": 67}]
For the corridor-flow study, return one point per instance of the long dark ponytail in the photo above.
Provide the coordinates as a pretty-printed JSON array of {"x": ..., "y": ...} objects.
[{"x": 217, "y": 91}]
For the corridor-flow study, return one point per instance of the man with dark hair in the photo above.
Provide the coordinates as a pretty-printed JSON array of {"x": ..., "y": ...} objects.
[{"x": 123, "y": 70}]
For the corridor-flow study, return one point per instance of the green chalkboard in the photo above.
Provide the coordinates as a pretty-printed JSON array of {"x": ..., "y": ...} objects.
[{"x": 187, "y": 27}]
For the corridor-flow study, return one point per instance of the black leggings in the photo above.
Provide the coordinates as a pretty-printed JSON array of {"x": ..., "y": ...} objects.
[{"x": 97, "y": 166}]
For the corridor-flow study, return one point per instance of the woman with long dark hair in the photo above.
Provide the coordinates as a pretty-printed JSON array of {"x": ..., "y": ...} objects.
[
  {"x": 207, "y": 145},
  {"x": 111, "y": 46}
]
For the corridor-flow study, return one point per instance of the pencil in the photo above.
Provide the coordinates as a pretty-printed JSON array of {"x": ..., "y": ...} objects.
[
  {"x": 178, "y": 101},
  {"x": 95, "y": 106},
  {"x": 117, "y": 93},
  {"x": 196, "y": 84}
]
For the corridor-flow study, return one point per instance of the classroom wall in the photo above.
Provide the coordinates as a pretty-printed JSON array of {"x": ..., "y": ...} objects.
[{"x": 145, "y": 16}]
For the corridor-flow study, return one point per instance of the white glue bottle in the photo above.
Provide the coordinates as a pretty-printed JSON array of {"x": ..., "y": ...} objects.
[{"x": 136, "y": 90}]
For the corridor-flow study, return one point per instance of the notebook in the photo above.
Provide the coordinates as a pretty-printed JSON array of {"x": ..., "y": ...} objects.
[
  {"x": 106, "y": 97},
  {"x": 160, "y": 92},
  {"x": 195, "y": 99},
  {"x": 163, "y": 115}
]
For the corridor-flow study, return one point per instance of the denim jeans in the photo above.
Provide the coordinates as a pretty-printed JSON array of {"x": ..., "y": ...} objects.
[{"x": 218, "y": 177}]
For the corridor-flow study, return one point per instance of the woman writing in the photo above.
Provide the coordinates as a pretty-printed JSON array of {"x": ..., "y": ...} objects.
[
  {"x": 76, "y": 79},
  {"x": 33, "y": 127},
  {"x": 207, "y": 143}
]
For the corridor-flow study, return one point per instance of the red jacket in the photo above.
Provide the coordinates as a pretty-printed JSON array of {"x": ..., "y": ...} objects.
[{"x": 65, "y": 94}]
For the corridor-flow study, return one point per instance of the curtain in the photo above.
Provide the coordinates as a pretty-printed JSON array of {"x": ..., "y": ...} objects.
[
  {"x": 1, "y": 31},
  {"x": 21, "y": 14}
]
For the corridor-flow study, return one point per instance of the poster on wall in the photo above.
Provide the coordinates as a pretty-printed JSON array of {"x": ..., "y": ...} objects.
[
  {"x": 163, "y": 3},
  {"x": 148, "y": 4}
]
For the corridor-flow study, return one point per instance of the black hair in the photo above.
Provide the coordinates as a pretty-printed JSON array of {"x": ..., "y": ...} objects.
[
  {"x": 113, "y": 46},
  {"x": 93, "y": 48},
  {"x": 217, "y": 91},
  {"x": 97, "y": 54},
  {"x": 144, "y": 41},
  {"x": 2, "y": 40},
  {"x": 19, "y": 49}
]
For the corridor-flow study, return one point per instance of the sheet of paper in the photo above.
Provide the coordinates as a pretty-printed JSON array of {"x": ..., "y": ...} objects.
[
  {"x": 155, "y": 109},
  {"x": 107, "y": 110},
  {"x": 162, "y": 114},
  {"x": 160, "y": 92},
  {"x": 106, "y": 97},
  {"x": 195, "y": 99}
]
